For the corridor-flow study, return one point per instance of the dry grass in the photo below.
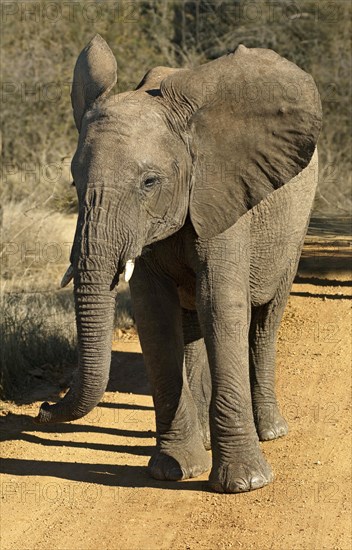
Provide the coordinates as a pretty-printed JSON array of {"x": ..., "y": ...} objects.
[
  {"x": 35, "y": 247},
  {"x": 37, "y": 334}
]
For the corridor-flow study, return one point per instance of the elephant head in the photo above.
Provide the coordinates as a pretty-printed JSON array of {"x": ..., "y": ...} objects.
[{"x": 208, "y": 143}]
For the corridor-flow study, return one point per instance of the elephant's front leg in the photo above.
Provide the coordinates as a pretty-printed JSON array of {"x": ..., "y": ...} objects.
[
  {"x": 223, "y": 304},
  {"x": 180, "y": 453}
]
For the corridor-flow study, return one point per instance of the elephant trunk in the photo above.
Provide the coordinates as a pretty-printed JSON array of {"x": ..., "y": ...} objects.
[
  {"x": 95, "y": 267},
  {"x": 95, "y": 315}
]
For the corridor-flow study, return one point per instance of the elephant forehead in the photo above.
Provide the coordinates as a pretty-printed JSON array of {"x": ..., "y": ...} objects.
[
  {"x": 129, "y": 115},
  {"x": 124, "y": 130},
  {"x": 120, "y": 128}
]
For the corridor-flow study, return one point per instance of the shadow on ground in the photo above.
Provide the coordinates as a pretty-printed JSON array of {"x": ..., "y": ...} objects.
[
  {"x": 16, "y": 427},
  {"x": 128, "y": 374},
  {"x": 115, "y": 476},
  {"x": 326, "y": 258}
]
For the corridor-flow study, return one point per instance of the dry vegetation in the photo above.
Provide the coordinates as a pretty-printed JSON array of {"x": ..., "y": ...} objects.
[{"x": 40, "y": 42}]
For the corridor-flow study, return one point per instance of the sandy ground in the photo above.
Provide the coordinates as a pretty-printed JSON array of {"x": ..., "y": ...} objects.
[{"x": 84, "y": 485}]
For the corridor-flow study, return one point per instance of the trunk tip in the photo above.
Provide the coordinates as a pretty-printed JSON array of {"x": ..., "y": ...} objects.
[{"x": 44, "y": 415}]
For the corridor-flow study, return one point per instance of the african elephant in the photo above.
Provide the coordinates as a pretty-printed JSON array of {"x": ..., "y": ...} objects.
[{"x": 202, "y": 181}]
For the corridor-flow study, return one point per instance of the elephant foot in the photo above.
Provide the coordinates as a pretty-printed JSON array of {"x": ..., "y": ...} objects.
[
  {"x": 242, "y": 475},
  {"x": 269, "y": 422},
  {"x": 175, "y": 465}
]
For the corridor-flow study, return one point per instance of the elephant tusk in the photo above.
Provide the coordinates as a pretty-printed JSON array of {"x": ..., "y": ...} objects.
[
  {"x": 129, "y": 267},
  {"x": 67, "y": 277}
]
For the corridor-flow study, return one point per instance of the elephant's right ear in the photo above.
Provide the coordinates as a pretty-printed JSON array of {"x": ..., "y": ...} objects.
[{"x": 94, "y": 75}]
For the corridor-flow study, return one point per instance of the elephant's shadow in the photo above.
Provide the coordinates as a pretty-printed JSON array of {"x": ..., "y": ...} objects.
[
  {"x": 114, "y": 476},
  {"x": 17, "y": 427},
  {"x": 128, "y": 376}
]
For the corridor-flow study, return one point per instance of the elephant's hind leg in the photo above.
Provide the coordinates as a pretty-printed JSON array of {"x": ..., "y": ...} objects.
[
  {"x": 180, "y": 453},
  {"x": 197, "y": 369},
  {"x": 265, "y": 322}
]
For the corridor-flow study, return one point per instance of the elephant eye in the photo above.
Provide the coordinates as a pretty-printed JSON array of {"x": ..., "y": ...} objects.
[{"x": 150, "y": 182}]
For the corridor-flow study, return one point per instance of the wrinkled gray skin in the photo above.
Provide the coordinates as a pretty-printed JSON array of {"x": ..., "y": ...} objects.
[{"x": 206, "y": 177}]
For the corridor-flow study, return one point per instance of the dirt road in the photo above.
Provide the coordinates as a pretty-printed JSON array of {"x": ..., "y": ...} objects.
[{"x": 84, "y": 485}]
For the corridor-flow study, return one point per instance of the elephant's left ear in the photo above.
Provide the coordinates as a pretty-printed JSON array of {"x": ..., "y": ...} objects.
[
  {"x": 94, "y": 75},
  {"x": 253, "y": 120}
]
